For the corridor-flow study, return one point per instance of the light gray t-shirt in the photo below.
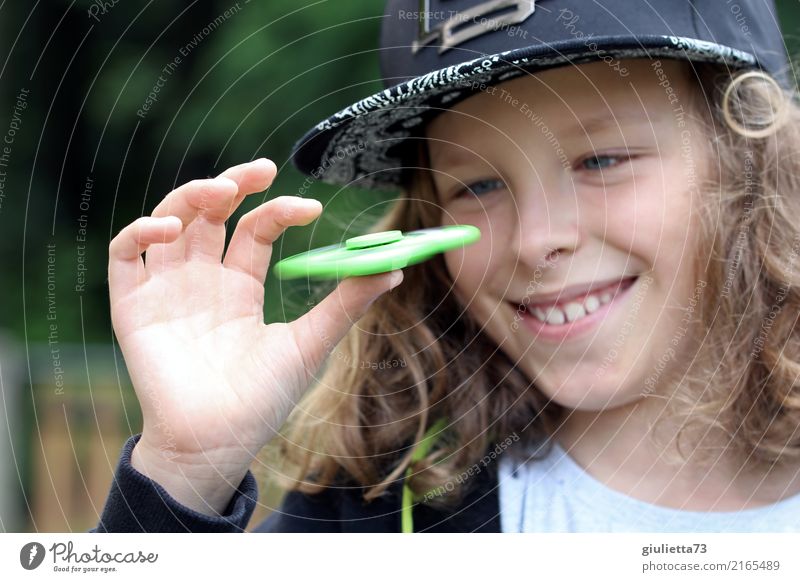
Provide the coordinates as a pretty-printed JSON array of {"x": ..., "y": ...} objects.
[{"x": 555, "y": 494}]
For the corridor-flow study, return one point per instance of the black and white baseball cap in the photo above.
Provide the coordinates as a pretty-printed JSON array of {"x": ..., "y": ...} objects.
[{"x": 435, "y": 53}]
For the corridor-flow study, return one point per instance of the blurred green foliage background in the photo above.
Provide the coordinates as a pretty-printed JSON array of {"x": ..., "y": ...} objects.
[{"x": 248, "y": 89}]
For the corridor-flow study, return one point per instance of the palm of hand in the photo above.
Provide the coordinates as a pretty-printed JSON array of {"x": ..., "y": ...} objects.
[{"x": 198, "y": 328}]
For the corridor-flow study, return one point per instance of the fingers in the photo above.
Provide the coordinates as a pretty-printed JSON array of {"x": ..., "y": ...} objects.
[
  {"x": 203, "y": 207},
  {"x": 252, "y": 177},
  {"x": 189, "y": 199},
  {"x": 321, "y": 329},
  {"x": 125, "y": 265},
  {"x": 204, "y": 237},
  {"x": 250, "y": 248},
  {"x": 203, "y": 201}
]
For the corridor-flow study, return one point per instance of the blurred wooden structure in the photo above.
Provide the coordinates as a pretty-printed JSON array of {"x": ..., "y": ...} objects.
[{"x": 76, "y": 433}]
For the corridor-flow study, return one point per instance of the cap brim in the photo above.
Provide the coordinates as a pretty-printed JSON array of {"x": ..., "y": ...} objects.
[{"x": 362, "y": 144}]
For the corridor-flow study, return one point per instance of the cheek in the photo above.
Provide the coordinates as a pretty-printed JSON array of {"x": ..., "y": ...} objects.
[
  {"x": 470, "y": 267},
  {"x": 652, "y": 219},
  {"x": 496, "y": 222},
  {"x": 476, "y": 268}
]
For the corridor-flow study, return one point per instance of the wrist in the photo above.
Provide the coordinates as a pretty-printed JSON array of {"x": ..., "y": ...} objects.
[{"x": 196, "y": 483}]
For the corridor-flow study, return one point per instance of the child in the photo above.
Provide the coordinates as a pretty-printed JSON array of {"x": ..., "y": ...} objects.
[{"x": 617, "y": 353}]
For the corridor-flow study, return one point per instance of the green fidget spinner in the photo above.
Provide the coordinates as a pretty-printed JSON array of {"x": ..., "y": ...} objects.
[{"x": 377, "y": 252}]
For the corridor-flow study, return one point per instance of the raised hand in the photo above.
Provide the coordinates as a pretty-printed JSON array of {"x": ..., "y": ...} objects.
[{"x": 214, "y": 382}]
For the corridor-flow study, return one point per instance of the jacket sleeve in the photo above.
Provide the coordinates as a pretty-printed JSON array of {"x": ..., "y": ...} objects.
[
  {"x": 136, "y": 503},
  {"x": 303, "y": 513}
]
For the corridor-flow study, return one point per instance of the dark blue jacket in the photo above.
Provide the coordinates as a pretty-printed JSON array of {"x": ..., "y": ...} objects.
[{"x": 139, "y": 504}]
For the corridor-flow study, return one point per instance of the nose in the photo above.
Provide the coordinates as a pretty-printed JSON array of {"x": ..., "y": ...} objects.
[{"x": 547, "y": 228}]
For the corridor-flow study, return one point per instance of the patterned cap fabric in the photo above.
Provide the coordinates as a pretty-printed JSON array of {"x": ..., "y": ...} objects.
[{"x": 435, "y": 53}]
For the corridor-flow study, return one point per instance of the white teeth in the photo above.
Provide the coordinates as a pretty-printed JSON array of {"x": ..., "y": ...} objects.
[
  {"x": 555, "y": 316},
  {"x": 571, "y": 311},
  {"x": 574, "y": 311}
]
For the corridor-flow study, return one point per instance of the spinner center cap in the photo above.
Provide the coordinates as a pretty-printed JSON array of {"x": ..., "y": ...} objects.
[{"x": 373, "y": 239}]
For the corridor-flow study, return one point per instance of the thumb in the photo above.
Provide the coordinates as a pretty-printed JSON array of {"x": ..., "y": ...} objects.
[{"x": 321, "y": 329}]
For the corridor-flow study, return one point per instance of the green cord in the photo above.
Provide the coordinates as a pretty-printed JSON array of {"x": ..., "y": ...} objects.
[{"x": 424, "y": 446}]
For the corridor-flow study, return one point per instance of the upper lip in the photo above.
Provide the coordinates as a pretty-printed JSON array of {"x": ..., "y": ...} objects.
[{"x": 573, "y": 291}]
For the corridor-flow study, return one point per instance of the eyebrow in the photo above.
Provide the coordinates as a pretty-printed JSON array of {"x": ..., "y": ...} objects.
[
  {"x": 606, "y": 120},
  {"x": 453, "y": 154}
]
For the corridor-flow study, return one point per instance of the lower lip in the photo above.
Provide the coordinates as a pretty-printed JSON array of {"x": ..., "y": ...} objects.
[{"x": 578, "y": 328}]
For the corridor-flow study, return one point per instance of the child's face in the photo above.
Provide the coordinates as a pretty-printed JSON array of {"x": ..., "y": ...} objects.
[{"x": 603, "y": 168}]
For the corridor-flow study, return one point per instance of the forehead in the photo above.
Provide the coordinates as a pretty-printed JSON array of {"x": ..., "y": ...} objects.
[{"x": 567, "y": 96}]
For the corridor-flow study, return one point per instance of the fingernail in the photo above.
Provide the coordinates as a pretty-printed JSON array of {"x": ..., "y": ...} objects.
[
  {"x": 307, "y": 202},
  {"x": 396, "y": 279}
]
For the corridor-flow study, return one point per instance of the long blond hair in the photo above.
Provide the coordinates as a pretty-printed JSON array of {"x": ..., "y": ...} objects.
[
  {"x": 416, "y": 356},
  {"x": 743, "y": 383}
]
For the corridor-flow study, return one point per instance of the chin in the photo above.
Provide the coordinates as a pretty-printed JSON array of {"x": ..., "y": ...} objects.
[
  {"x": 596, "y": 402},
  {"x": 589, "y": 393}
]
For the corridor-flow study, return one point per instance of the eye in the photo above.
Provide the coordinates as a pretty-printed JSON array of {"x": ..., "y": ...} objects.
[
  {"x": 602, "y": 162},
  {"x": 481, "y": 187}
]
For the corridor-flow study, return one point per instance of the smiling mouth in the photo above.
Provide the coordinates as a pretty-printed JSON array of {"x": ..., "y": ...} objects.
[{"x": 575, "y": 308}]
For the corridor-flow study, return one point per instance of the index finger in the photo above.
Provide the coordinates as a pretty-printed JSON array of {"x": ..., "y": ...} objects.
[
  {"x": 251, "y": 177},
  {"x": 185, "y": 200}
]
